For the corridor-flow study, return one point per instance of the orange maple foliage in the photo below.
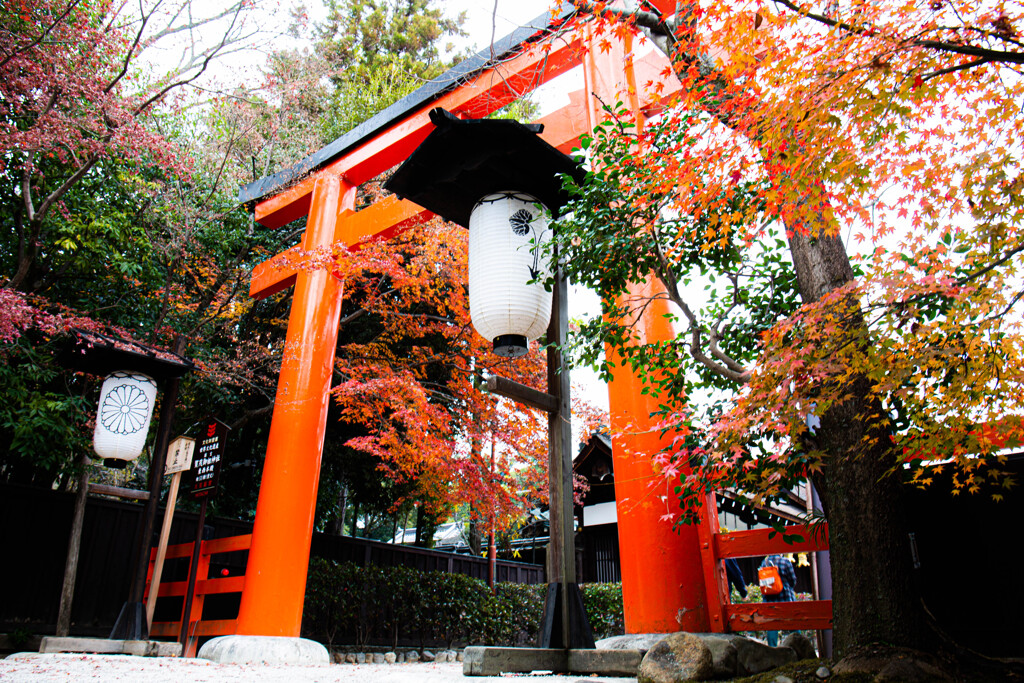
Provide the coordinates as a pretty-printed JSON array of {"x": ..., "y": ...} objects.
[
  {"x": 896, "y": 128},
  {"x": 414, "y": 382}
]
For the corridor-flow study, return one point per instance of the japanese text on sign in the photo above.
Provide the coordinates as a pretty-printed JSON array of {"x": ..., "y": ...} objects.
[{"x": 207, "y": 460}]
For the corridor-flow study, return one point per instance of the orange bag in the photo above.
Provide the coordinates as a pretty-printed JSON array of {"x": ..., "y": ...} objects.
[{"x": 770, "y": 580}]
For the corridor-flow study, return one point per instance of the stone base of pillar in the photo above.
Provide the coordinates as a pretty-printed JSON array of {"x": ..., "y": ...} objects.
[{"x": 264, "y": 650}]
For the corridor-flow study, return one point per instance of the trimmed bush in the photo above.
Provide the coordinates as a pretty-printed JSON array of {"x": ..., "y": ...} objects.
[
  {"x": 603, "y": 602},
  {"x": 387, "y": 605}
]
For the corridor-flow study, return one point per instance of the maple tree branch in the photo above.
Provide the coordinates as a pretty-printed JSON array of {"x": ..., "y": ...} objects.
[
  {"x": 130, "y": 52},
  {"x": 26, "y": 193},
  {"x": 648, "y": 20},
  {"x": 213, "y": 52},
  {"x": 352, "y": 316},
  {"x": 171, "y": 30},
  {"x": 954, "y": 69},
  {"x": 1013, "y": 302},
  {"x": 42, "y": 36},
  {"x": 725, "y": 366},
  {"x": 992, "y": 265},
  {"x": 988, "y": 55},
  {"x": 89, "y": 162}
]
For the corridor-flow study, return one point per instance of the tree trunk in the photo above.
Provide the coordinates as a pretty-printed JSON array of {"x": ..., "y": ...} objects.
[
  {"x": 337, "y": 525},
  {"x": 874, "y": 598},
  {"x": 475, "y": 540}
]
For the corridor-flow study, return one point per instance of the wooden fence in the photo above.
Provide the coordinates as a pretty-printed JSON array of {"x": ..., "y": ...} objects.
[{"x": 34, "y": 528}]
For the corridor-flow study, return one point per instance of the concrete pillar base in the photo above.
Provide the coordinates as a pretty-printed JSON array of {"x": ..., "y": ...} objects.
[
  {"x": 264, "y": 650},
  {"x": 106, "y": 646},
  {"x": 494, "y": 661}
]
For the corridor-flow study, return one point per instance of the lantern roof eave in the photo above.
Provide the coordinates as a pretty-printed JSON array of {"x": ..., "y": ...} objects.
[
  {"x": 464, "y": 160},
  {"x": 100, "y": 354}
]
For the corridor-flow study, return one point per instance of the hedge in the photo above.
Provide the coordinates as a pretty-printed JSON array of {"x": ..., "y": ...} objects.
[{"x": 391, "y": 605}]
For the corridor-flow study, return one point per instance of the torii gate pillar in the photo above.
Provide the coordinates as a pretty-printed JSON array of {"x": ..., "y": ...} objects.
[
  {"x": 275, "y": 578},
  {"x": 663, "y": 587}
]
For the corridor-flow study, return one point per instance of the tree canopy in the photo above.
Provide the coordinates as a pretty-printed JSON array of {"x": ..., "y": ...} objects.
[
  {"x": 119, "y": 214},
  {"x": 864, "y": 156}
]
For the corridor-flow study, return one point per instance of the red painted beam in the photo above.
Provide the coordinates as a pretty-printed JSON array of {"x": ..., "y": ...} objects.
[
  {"x": 228, "y": 544},
  {"x": 756, "y": 542},
  {"x": 780, "y": 616},
  {"x": 171, "y": 629},
  {"x": 229, "y": 584},
  {"x": 275, "y": 274},
  {"x": 482, "y": 95},
  {"x": 381, "y": 220}
]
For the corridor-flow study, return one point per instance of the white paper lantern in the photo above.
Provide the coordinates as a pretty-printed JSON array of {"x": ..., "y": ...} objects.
[
  {"x": 124, "y": 414},
  {"x": 507, "y": 231}
]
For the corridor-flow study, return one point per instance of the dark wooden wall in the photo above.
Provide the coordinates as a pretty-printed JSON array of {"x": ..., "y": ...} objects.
[{"x": 34, "y": 529}]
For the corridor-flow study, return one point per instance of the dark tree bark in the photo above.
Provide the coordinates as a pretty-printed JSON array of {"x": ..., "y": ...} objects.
[{"x": 874, "y": 599}]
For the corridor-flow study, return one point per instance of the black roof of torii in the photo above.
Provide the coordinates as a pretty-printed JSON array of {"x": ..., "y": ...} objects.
[{"x": 430, "y": 92}]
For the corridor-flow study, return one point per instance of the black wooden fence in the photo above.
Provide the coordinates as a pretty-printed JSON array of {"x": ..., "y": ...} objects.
[{"x": 34, "y": 529}]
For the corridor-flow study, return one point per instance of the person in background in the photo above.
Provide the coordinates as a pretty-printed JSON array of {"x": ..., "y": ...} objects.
[
  {"x": 735, "y": 574},
  {"x": 788, "y": 589}
]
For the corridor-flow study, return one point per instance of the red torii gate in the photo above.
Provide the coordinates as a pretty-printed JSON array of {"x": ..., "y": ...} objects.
[{"x": 669, "y": 584}]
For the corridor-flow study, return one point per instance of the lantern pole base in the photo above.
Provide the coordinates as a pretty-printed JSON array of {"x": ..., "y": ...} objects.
[
  {"x": 131, "y": 623},
  {"x": 494, "y": 661},
  {"x": 564, "y": 601}
]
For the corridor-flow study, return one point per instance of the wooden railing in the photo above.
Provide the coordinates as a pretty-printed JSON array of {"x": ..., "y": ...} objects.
[
  {"x": 765, "y": 616},
  {"x": 205, "y": 585}
]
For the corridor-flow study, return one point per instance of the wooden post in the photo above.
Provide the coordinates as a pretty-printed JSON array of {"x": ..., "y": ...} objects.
[
  {"x": 161, "y": 549},
  {"x": 131, "y": 623},
  {"x": 67, "y": 592},
  {"x": 561, "y": 550},
  {"x": 193, "y": 575},
  {"x": 564, "y": 598},
  {"x": 564, "y": 624}
]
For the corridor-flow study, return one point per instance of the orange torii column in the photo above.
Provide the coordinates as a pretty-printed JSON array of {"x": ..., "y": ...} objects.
[
  {"x": 662, "y": 574},
  {"x": 275, "y": 580}
]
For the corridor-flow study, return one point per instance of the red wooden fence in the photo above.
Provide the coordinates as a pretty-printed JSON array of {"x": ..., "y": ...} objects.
[{"x": 772, "y": 616}]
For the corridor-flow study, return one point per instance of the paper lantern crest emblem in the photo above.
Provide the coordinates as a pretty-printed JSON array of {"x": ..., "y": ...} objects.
[{"x": 123, "y": 417}]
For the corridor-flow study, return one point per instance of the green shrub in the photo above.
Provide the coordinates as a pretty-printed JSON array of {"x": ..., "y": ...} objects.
[
  {"x": 385, "y": 605},
  {"x": 603, "y": 602},
  {"x": 514, "y": 615}
]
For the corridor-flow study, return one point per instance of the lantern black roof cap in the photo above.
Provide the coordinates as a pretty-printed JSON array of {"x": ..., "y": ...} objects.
[
  {"x": 102, "y": 354},
  {"x": 464, "y": 160}
]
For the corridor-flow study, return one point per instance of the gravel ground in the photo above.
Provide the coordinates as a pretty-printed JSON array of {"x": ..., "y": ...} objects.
[{"x": 30, "y": 667}]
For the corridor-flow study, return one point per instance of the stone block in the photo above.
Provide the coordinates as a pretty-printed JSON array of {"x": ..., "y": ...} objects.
[
  {"x": 106, "y": 646},
  {"x": 264, "y": 650},
  {"x": 678, "y": 657}
]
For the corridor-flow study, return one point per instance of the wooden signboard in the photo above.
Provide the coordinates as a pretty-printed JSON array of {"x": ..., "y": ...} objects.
[{"x": 209, "y": 455}]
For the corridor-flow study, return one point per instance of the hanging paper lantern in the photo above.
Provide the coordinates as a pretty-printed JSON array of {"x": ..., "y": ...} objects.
[
  {"x": 507, "y": 300},
  {"x": 122, "y": 421}
]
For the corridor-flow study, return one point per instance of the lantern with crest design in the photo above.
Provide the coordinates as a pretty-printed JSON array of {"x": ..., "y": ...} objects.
[
  {"x": 501, "y": 180},
  {"x": 124, "y": 414}
]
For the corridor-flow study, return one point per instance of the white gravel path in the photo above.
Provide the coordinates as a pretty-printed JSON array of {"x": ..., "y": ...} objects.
[{"x": 30, "y": 667}]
